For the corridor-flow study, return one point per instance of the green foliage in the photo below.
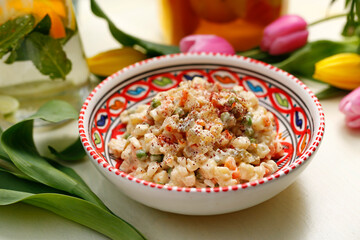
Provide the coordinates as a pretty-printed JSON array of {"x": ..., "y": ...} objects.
[
  {"x": 152, "y": 49},
  {"x": 26, "y": 41},
  {"x": 14, "y": 30},
  {"x": 302, "y": 62},
  {"x": 26, "y": 176},
  {"x": 71, "y": 154}
]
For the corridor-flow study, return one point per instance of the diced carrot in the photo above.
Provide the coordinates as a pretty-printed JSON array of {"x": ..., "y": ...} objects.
[
  {"x": 227, "y": 134},
  {"x": 236, "y": 174},
  {"x": 230, "y": 163},
  {"x": 201, "y": 123},
  {"x": 184, "y": 98},
  {"x": 168, "y": 128},
  {"x": 267, "y": 122}
]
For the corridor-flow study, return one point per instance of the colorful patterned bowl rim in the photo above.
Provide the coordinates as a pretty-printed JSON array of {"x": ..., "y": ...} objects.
[{"x": 83, "y": 125}]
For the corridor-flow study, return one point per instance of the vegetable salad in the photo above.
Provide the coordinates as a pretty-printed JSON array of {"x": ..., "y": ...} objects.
[{"x": 198, "y": 135}]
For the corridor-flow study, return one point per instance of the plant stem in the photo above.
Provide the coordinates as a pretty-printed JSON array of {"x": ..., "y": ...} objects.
[
  {"x": 327, "y": 18},
  {"x": 250, "y": 53}
]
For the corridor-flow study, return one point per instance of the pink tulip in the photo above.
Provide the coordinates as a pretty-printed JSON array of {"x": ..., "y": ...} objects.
[
  {"x": 205, "y": 43},
  {"x": 284, "y": 35},
  {"x": 350, "y": 106}
]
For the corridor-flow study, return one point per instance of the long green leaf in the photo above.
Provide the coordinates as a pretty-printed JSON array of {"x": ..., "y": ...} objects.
[
  {"x": 330, "y": 92},
  {"x": 18, "y": 142},
  {"x": 68, "y": 171},
  {"x": 302, "y": 62},
  {"x": 73, "y": 153},
  {"x": 9, "y": 167},
  {"x": 77, "y": 210},
  {"x": 55, "y": 111},
  {"x": 152, "y": 49},
  {"x": 11, "y": 182}
]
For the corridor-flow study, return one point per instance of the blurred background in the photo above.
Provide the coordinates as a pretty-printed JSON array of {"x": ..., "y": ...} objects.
[{"x": 146, "y": 23}]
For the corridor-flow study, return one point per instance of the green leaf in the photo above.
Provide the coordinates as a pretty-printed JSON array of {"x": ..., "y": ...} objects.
[
  {"x": 15, "y": 52},
  {"x": 256, "y": 53},
  {"x": 14, "y": 30},
  {"x": 55, "y": 111},
  {"x": 53, "y": 186},
  {"x": 73, "y": 153},
  {"x": 9, "y": 167},
  {"x": 68, "y": 171},
  {"x": 302, "y": 62},
  {"x": 330, "y": 92},
  {"x": 77, "y": 210},
  {"x": 18, "y": 53},
  {"x": 69, "y": 33},
  {"x": 18, "y": 143},
  {"x": 10, "y": 182},
  {"x": 152, "y": 49},
  {"x": 3, "y": 154},
  {"x": 47, "y": 55},
  {"x": 43, "y": 26}
]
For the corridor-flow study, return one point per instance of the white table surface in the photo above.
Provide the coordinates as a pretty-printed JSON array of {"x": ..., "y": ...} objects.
[{"x": 324, "y": 202}]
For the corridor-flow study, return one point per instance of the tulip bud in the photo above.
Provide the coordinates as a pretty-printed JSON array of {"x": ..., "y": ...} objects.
[
  {"x": 340, "y": 70},
  {"x": 205, "y": 43},
  {"x": 350, "y": 106},
  {"x": 284, "y": 35},
  {"x": 107, "y": 63}
]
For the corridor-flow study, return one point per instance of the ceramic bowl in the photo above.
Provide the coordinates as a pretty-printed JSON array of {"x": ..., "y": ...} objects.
[{"x": 298, "y": 114}]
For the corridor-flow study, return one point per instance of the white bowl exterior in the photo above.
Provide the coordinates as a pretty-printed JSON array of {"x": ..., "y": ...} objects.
[
  {"x": 202, "y": 203},
  {"x": 195, "y": 202}
]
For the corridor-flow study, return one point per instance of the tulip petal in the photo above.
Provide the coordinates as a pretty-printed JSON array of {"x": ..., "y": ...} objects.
[
  {"x": 350, "y": 104},
  {"x": 288, "y": 43},
  {"x": 205, "y": 43},
  {"x": 340, "y": 70},
  {"x": 353, "y": 122},
  {"x": 282, "y": 26},
  {"x": 355, "y": 107}
]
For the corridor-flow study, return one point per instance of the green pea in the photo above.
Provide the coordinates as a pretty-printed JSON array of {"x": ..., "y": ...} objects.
[
  {"x": 249, "y": 132},
  {"x": 140, "y": 154},
  {"x": 252, "y": 140},
  {"x": 169, "y": 171},
  {"x": 155, "y": 103},
  {"x": 232, "y": 100},
  {"x": 247, "y": 120},
  {"x": 127, "y": 135},
  {"x": 225, "y": 116},
  {"x": 157, "y": 157},
  {"x": 179, "y": 111}
]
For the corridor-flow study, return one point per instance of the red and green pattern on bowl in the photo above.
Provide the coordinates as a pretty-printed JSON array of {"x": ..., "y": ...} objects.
[{"x": 299, "y": 132}]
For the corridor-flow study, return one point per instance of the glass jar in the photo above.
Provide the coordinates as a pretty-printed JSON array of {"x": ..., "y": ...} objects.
[
  {"x": 41, "y": 57},
  {"x": 241, "y": 22}
]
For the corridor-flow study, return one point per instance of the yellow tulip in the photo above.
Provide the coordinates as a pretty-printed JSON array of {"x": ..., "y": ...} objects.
[
  {"x": 340, "y": 70},
  {"x": 107, "y": 63}
]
